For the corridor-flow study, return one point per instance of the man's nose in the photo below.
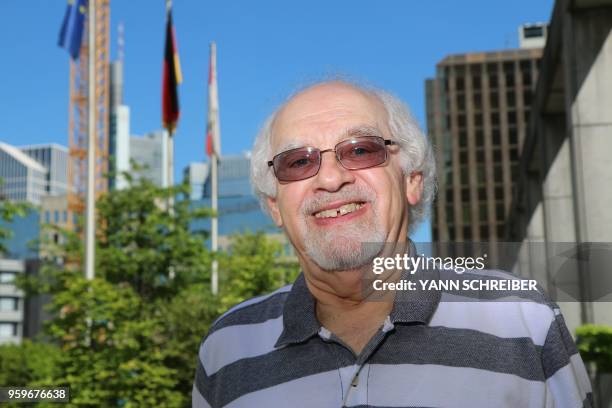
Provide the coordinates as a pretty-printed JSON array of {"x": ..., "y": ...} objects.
[{"x": 332, "y": 176}]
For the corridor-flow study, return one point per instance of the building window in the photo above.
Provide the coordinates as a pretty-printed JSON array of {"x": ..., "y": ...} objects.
[
  {"x": 526, "y": 78},
  {"x": 499, "y": 211},
  {"x": 461, "y": 101},
  {"x": 480, "y": 156},
  {"x": 449, "y": 214},
  {"x": 493, "y": 82},
  {"x": 477, "y": 96},
  {"x": 65, "y": 216},
  {"x": 511, "y": 118},
  {"x": 476, "y": 82},
  {"x": 498, "y": 174},
  {"x": 480, "y": 171},
  {"x": 514, "y": 154},
  {"x": 513, "y": 136},
  {"x": 8, "y": 304},
  {"x": 482, "y": 194},
  {"x": 461, "y": 120},
  {"x": 497, "y": 155},
  {"x": 479, "y": 138},
  {"x": 495, "y": 119},
  {"x": 515, "y": 172},
  {"x": 55, "y": 216},
  {"x": 464, "y": 175},
  {"x": 482, "y": 207},
  {"x": 496, "y": 137},
  {"x": 462, "y": 139},
  {"x": 499, "y": 193},
  {"x": 7, "y": 277},
  {"x": 47, "y": 217},
  {"x": 459, "y": 84},
  {"x": 510, "y": 99},
  {"x": 8, "y": 329},
  {"x": 494, "y": 98}
]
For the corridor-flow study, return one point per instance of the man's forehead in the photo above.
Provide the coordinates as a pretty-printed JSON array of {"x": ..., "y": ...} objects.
[{"x": 337, "y": 107}]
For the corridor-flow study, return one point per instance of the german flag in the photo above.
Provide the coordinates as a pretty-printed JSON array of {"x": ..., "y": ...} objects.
[{"x": 171, "y": 78}]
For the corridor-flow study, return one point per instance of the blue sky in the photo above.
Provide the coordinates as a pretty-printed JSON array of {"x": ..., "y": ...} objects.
[{"x": 265, "y": 49}]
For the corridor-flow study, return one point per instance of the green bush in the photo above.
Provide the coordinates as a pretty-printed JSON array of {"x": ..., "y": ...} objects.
[{"x": 595, "y": 345}]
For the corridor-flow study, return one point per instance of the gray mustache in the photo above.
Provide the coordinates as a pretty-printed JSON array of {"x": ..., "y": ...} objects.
[{"x": 355, "y": 193}]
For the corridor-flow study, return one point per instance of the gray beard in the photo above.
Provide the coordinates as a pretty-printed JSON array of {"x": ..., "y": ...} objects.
[{"x": 347, "y": 248}]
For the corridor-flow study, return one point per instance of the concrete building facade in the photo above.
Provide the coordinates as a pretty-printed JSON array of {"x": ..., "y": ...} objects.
[
  {"x": 11, "y": 301},
  {"x": 563, "y": 193},
  {"x": 54, "y": 158},
  {"x": 21, "y": 177},
  {"x": 565, "y": 183}
]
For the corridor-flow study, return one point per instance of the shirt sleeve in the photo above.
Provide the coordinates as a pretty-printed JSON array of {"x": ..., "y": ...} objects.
[
  {"x": 567, "y": 381},
  {"x": 201, "y": 393}
]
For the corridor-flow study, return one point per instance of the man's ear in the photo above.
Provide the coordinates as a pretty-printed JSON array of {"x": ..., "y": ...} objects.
[
  {"x": 274, "y": 212},
  {"x": 414, "y": 187}
]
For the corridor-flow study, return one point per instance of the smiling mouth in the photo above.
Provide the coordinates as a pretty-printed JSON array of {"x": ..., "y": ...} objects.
[{"x": 340, "y": 211}]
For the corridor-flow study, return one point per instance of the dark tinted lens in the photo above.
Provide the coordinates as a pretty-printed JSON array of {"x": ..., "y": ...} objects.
[
  {"x": 362, "y": 152},
  {"x": 296, "y": 164}
]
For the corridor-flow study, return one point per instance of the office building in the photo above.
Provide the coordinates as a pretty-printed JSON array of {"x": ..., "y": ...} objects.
[
  {"x": 54, "y": 158},
  {"x": 238, "y": 207},
  {"x": 196, "y": 175},
  {"x": 55, "y": 211},
  {"x": 21, "y": 177},
  {"x": 478, "y": 106},
  {"x": 11, "y": 301},
  {"x": 24, "y": 234},
  {"x": 150, "y": 152},
  {"x": 119, "y": 129}
]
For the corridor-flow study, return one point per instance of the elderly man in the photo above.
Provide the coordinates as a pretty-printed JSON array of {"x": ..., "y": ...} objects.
[{"x": 339, "y": 166}]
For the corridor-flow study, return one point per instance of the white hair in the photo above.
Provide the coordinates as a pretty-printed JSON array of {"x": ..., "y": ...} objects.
[{"x": 415, "y": 150}]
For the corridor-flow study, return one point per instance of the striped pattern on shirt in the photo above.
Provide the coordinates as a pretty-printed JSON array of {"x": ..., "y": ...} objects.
[{"x": 434, "y": 349}]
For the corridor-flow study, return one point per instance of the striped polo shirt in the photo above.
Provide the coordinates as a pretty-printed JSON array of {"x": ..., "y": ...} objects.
[{"x": 435, "y": 349}]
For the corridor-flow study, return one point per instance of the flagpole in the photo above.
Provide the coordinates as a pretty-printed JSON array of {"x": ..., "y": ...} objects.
[
  {"x": 214, "y": 284},
  {"x": 170, "y": 153},
  {"x": 90, "y": 234}
]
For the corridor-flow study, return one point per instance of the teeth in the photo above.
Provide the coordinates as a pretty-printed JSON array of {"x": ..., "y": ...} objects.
[{"x": 333, "y": 213}]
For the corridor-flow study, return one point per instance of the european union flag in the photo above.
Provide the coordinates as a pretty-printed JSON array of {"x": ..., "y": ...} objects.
[{"x": 71, "y": 32}]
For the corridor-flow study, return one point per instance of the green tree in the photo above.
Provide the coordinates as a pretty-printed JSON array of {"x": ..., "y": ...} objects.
[
  {"x": 253, "y": 266},
  {"x": 130, "y": 337},
  {"x": 28, "y": 363}
]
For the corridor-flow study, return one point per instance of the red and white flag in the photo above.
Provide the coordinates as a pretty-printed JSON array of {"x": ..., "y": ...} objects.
[{"x": 213, "y": 142}]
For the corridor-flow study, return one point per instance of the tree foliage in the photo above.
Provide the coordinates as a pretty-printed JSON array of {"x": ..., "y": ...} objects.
[
  {"x": 130, "y": 337},
  {"x": 595, "y": 345}
]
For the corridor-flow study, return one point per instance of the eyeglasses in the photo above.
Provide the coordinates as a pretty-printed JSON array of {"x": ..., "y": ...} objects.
[{"x": 356, "y": 153}]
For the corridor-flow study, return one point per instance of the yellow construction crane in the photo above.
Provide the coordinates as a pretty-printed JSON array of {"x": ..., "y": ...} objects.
[{"x": 78, "y": 113}]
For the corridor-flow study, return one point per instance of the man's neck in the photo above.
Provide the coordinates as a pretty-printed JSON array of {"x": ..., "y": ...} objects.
[{"x": 342, "y": 309}]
